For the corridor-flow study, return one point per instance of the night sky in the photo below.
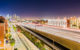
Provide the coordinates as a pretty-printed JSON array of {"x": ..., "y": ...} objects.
[{"x": 40, "y": 7}]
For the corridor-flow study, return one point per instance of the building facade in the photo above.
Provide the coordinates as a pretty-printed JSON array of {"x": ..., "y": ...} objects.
[
  {"x": 74, "y": 22},
  {"x": 58, "y": 22},
  {"x": 3, "y": 30}
]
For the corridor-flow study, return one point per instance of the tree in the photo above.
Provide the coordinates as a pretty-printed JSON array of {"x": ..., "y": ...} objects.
[
  {"x": 15, "y": 49},
  {"x": 12, "y": 42}
]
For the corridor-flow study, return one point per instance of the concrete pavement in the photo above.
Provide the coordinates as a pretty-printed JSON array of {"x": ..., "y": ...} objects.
[{"x": 69, "y": 39}]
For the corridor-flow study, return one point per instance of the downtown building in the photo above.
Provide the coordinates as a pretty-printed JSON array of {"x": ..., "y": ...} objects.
[
  {"x": 3, "y": 30},
  {"x": 74, "y": 22},
  {"x": 59, "y": 22}
]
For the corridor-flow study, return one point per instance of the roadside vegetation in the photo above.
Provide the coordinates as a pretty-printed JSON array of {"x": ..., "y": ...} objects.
[
  {"x": 40, "y": 44},
  {"x": 9, "y": 39}
]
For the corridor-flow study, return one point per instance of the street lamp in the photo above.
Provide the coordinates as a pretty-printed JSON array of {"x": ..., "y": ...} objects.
[{"x": 35, "y": 27}]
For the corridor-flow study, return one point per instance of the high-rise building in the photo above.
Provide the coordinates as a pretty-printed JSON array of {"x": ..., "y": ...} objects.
[{"x": 3, "y": 28}]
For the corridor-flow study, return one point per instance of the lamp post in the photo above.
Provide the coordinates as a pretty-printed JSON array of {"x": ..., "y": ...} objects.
[{"x": 35, "y": 27}]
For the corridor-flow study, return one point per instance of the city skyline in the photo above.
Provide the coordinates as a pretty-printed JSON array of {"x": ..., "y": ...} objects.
[{"x": 39, "y": 25}]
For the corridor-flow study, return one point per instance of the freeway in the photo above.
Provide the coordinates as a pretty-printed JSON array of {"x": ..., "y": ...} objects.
[
  {"x": 69, "y": 39},
  {"x": 41, "y": 38},
  {"x": 58, "y": 32}
]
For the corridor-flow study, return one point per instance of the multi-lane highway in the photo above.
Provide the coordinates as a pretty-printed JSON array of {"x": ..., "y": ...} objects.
[
  {"x": 71, "y": 39},
  {"x": 45, "y": 40},
  {"x": 75, "y": 36}
]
